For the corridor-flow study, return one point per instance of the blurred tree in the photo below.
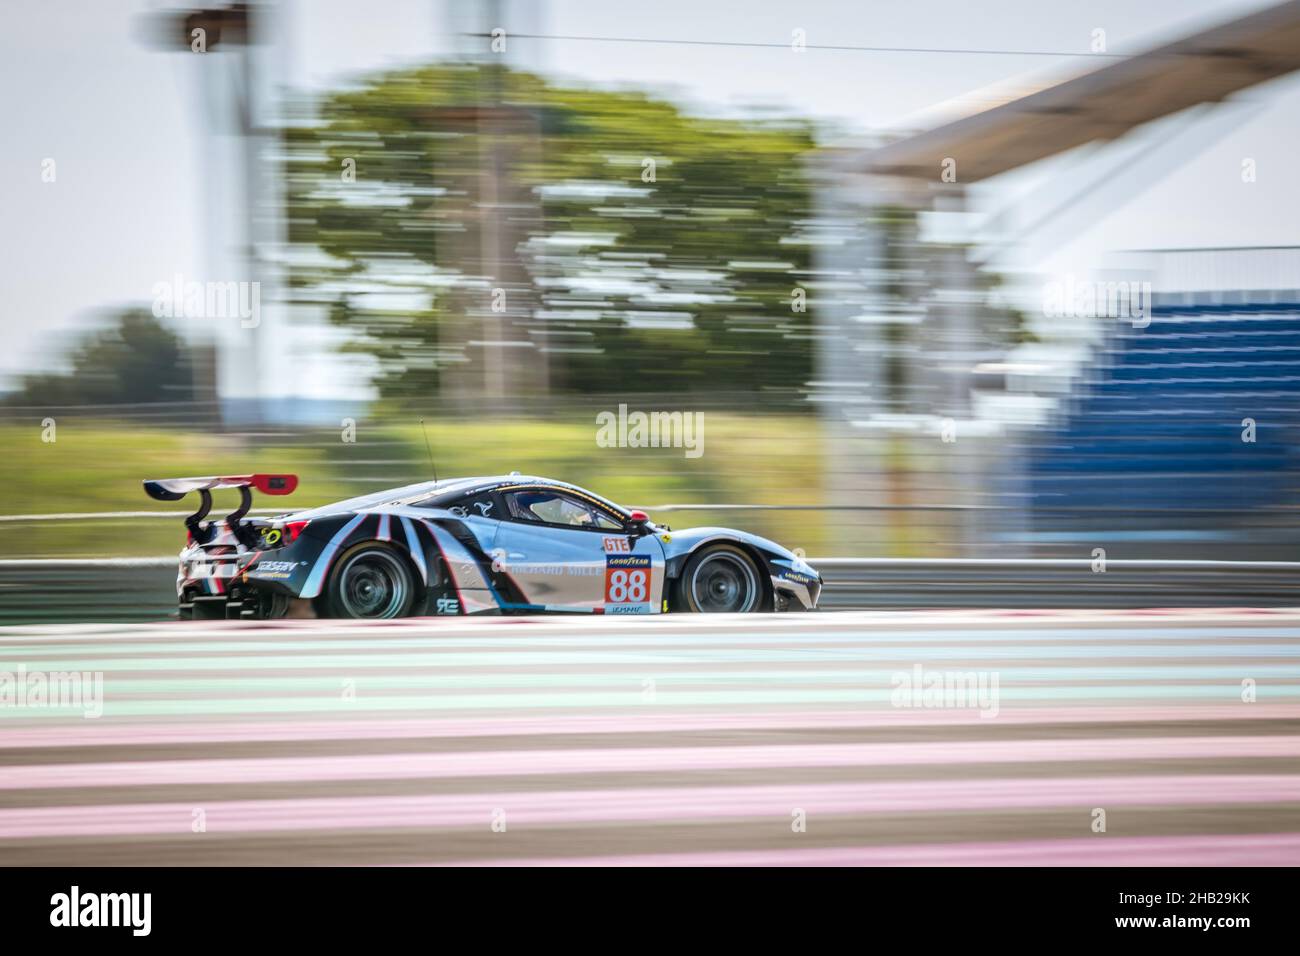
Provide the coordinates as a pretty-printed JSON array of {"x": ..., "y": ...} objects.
[
  {"x": 135, "y": 359},
  {"x": 661, "y": 249}
]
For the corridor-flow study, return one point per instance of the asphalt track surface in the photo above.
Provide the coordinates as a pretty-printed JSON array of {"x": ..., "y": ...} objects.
[{"x": 675, "y": 741}]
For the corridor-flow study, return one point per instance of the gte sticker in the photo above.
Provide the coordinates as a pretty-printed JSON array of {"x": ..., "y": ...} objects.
[
  {"x": 627, "y": 584},
  {"x": 617, "y": 546}
]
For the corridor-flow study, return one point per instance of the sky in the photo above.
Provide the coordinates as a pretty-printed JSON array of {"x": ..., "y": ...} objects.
[{"x": 131, "y": 138}]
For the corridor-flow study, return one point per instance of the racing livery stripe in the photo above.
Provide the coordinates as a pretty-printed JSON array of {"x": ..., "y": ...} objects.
[
  {"x": 416, "y": 549},
  {"x": 312, "y": 587},
  {"x": 448, "y": 544},
  {"x": 475, "y": 580},
  {"x": 383, "y": 534}
]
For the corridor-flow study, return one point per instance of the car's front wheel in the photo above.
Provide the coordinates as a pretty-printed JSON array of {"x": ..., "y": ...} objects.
[
  {"x": 721, "y": 579},
  {"x": 372, "y": 582}
]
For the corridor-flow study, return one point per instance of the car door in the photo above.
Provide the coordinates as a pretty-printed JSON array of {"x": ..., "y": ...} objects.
[{"x": 565, "y": 553}]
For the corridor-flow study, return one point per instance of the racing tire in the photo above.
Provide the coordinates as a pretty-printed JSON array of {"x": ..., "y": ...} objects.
[
  {"x": 720, "y": 579},
  {"x": 370, "y": 582}
]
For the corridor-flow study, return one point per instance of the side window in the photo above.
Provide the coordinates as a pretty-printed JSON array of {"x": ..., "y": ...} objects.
[{"x": 550, "y": 507}]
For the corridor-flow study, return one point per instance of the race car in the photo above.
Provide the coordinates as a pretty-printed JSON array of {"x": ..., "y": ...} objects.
[{"x": 508, "y": 544}]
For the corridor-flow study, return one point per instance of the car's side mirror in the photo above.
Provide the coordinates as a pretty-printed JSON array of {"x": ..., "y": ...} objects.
[{"x": 636, "y": 523}]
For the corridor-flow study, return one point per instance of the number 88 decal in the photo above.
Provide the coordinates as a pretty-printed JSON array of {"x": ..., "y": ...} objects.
[{"x": 630, "y": 586}]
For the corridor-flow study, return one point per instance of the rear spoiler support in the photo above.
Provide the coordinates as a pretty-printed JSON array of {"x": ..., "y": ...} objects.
[
  {"x": 235, "y": 520},
  {"x": 194, "y": 523},
  {"x": 174, "y": 489}
]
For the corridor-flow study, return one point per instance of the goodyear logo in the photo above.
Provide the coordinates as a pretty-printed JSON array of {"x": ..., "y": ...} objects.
[{"x": 627, "y": 561}]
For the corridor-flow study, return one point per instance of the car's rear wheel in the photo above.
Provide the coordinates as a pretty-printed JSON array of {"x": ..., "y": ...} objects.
[
  {"x": 721, "y": 579},
  {"x": 371, "y": 582}
]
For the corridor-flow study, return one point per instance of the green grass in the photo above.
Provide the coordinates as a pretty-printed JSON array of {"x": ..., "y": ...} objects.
[{"x": 93, "y": 467}]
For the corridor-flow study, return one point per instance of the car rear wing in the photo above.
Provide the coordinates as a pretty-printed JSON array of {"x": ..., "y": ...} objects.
[{"x": 174, "y": 489}]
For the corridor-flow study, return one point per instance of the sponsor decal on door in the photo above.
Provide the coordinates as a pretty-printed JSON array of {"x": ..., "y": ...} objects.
[{"x": 627, "y": 584}]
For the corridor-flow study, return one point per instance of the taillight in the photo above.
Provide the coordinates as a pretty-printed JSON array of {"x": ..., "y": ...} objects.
[{"x": 294, "y": 528}]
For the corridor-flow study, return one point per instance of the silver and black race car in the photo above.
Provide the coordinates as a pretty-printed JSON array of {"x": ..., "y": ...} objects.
[{"x": 500, "y": 545}]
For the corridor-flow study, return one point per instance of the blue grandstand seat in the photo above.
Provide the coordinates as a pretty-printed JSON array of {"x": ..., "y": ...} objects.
[{"x": 1155, "y": 425}]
